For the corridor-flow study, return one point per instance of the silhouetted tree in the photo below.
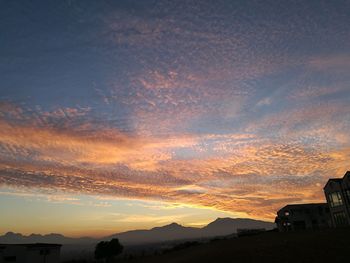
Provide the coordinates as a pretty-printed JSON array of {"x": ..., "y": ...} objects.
[{"x": 108, "y": 249}]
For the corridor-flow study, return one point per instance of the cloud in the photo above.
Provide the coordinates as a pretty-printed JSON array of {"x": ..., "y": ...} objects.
[
  {"x": 339, "y": 63},
  {"x": 242, "y": 173},
  {"x": 264, "y": 102},
  {"x": 146, "y": 219},
  {"x": 37, "y": 195},
  {"x": 312, "y": 92},
  {"x": 228, "y": 109}
]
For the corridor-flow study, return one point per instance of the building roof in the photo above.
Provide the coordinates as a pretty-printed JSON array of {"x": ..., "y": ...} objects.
[
  {"x": 333, "y": 180},
  {"x": 337, "y": 180},
  {"x": 310, "y": 205},
  {"x": 347, "y": 174}
]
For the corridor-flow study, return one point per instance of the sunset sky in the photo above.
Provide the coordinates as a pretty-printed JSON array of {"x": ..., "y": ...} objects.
[{"x": 117, "y": 115}]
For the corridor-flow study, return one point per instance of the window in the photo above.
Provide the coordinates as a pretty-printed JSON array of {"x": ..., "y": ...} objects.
[
  {"x": 347, "y": 194},
  {"x": 340, "y": 219},
  {"x": 335, "y": 199}
]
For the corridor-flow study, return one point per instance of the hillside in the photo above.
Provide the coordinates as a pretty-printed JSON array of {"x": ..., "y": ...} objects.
[{"x": 321, "y": 246}]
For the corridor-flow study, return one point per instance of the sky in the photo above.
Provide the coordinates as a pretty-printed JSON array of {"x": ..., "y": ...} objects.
[{"x": 117, "y": 115}]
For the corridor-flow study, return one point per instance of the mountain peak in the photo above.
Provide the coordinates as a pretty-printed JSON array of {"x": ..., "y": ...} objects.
[
  {"x": 12, "y": 234},
  {"x": 172, "y": 225},
  {"x": 223, "y": 219}
]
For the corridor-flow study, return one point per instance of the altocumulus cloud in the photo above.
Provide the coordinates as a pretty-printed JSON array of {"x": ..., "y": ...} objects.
[{"x": 239, "y": 107}]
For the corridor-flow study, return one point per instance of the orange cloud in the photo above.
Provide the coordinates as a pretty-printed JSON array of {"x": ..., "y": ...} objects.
[{"x": 244, "y": 173}]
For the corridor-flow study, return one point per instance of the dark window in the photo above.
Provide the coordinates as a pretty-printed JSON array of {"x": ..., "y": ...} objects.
[
  {"x": 340, "y": 219},
  {"x": 347, "y": 194}
]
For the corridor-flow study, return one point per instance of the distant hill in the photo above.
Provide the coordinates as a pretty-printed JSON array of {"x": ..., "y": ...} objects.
[
  {"x": 174, "y": 231},
  {"x": 226, "y": 226},
  {"x": 16, "y": 238}
]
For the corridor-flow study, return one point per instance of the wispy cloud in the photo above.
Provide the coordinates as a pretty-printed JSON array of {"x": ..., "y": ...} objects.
[{"x": 338, "y": 63}]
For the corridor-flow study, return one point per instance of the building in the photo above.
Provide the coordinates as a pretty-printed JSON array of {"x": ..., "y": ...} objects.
[
  {"x": 303, "y": 216},
  {"x": 30, "y": 253},
  {"x": 337, "y": 192}
]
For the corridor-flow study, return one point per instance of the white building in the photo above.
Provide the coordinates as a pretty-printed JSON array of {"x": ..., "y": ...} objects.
[{"x": 30, "y": 253}]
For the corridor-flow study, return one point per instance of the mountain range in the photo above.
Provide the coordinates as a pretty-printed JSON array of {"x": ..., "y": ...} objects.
[{"x": 171, "y": 232}]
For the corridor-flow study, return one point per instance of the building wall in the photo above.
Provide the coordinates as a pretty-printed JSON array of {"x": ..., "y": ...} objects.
[
  {"x": 15, "y": 251},
  {"x": 26, "y": 254},
  {"x": 43, "y": 255},
  {"x": 340, "y": 211},
  {"x": 303, "y": 216}
]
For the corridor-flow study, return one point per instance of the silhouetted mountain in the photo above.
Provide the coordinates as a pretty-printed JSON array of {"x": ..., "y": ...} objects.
[
  {"x": 174, "y": 231},
  {"x": 226, "y": 226},
  {"x": 16, "y": 238}
]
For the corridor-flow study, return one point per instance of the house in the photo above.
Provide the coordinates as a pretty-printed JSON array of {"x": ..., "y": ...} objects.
[
  {"x": 30, "y": 253},
  {"x": 337, "y": 192},
  {"x": 303, "y": 216}
]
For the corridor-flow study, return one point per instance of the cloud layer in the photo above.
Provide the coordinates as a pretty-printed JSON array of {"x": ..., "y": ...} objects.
[
  {"x": 237, "y": 107},
  {"x": 248, "y": 172}
]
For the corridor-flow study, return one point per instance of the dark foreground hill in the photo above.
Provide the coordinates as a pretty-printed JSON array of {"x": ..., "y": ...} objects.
[{"x": 330, "y": 245}]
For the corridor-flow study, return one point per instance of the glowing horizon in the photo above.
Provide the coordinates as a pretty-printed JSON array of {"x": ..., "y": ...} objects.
[{"x": 123, "y": 115}]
